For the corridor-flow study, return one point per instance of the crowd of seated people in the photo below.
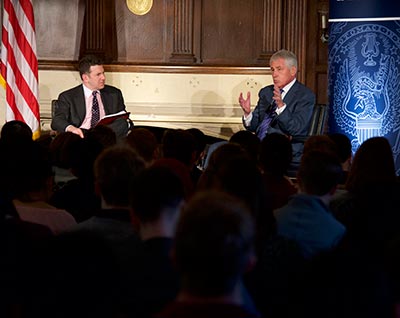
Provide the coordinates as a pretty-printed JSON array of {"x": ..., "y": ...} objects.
[{"x": 142, "y": 227}]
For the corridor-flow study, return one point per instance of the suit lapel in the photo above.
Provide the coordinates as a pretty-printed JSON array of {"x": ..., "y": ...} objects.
[
  {"x": 290, "y": 95},
  {"x": 106, "y": 99},
  {"x": 79, "y": 99}
]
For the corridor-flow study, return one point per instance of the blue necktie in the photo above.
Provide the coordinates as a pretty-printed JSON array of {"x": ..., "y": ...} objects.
[
  {"x": 95, "y": 110},
  {"x": 270, "y": 114}
]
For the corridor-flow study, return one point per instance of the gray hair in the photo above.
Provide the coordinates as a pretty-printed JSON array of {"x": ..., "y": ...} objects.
[{"x": 289, "y": 57}]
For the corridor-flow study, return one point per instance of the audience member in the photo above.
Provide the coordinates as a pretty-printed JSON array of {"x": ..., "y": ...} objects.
[
  {"x": 114, "y": 172},
  {"x": 306, "y": 218},
  {"x": 213, "y": 248},
  {"x": 366, "y": 208},
  {"x": 275, "y": 158},
  {"x": 344, "y": 148},
  {"x": 179, "y": 153},
  {"x": 248, "y": 141},
  {"x": 19, "y": 244},
  {"x": 359, "y": 284},
  {"x": 103, "y": 134},
  {"x": 157, "y": 197},
  {"x": 320, "y": 143},
  {"x": 60, "y": 156},
  {"x": 200, "y": 146},
  {"x": 108, "y": 238},
  {"x": 179, "y": 144},
  {"x": 27, "y": 177},
  {"x": 145, "y": 143},
  {"x": 77, "y": 195},
  {"x": 15, "y": 131},
  {"x": 230, "y": 169}
]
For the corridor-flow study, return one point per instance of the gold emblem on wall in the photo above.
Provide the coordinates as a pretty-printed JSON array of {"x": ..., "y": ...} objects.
[{"x": 139, "y": 7}]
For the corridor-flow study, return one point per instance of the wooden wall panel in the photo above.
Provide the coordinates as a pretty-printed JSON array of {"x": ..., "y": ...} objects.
[
  {"x": 183, "y": 29},
  {"x": 317, "y": 51},
  {"x": 99, "y": 30},
  {"x": 144, "y": 39},
  {"x": 294, "y": 35},
  {"x": 268, "y": 28},
  {"x": 239, "y": 33},
  {"x": 227, "y": 32}
]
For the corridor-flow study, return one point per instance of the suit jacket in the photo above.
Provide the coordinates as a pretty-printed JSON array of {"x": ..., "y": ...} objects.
[
  {"x": 294, "y": 121},
  {"x": 71, "y": 109}
]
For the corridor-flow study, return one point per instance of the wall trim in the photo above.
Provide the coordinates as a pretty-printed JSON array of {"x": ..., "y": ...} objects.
[{"x": 130, "y": 68}]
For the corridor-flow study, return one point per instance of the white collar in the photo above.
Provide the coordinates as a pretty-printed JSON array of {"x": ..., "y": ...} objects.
[
  {"x": 87, "y": 91},
  {"x": 288, "y": 86}
]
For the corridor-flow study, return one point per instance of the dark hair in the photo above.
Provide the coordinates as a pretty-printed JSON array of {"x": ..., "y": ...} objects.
[
  {"x": 103, "y": 134},
  {"x": 320, "y": 143},
  {"x": 373, "y": 164},
  {"x": 343, "y": 145},
  {"x": 25, "y": 167},
  {"x": 275, "y": 154},
  {"x": 213, "y": 242},
  {"x": 248, "y": 141},
  {"x": 319, "y": 172},
  {"x": 155, "y": 189},
  {"x": 86, "y": 62},
  {"x": 179, "y": 144},
  {"x": 200, "y": 140},
  {"x": 144, "y": 142},
  {"x": 115, "y": 170},
  {"x": 16, "y": 131}
]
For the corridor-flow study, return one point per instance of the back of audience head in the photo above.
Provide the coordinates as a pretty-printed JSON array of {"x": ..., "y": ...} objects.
[
  {"x": 373, "y": 164},
  {"x": 320, "y": 143},
  {"x": 231, "y": 170},
  {"x": 15, "y": 131},
  {"x": 343, "y": 146},
  {"x": 157, "y": 193},
  {"x": 61, "y": 147},
  {"x": 275, "y": 154},
  {"x": 102, "y": 134},
  {"x": 213, "y": 244},
  {"x": 26, "y": 170},
  {"x": 200, "y": 140},
  {"x": 83, "y": 153},
  {"x": 115, "y": 170},
  {"x": 179, "y": 144},
  {"x": 249, "y": 141},
  {"x": 319, "y": 173},
  {"x": 144, "y": 142}
]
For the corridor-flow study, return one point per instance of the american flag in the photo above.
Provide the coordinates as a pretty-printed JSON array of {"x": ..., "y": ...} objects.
[{"x": 19, "y": 65}]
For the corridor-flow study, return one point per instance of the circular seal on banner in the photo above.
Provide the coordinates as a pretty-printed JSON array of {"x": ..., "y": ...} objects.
[
  {"x": 364, "y": 81},
  {"x": 139, "y": 7}
]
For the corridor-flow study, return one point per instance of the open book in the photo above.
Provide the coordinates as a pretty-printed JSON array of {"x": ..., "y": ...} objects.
[{"x": 108, "y": 119}]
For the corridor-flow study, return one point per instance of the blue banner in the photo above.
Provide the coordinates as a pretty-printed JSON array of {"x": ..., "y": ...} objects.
[
  {"x": 353, "y": 9},
  {"x": 364, "y": 77}
]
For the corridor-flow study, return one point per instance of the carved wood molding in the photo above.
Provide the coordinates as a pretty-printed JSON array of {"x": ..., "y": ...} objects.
[
  {"x": 99, "y": 30},
  {"x": 271, "y": 30},
  {"x": 183, "y": 32},
  {"x": 126, "y": 68},
  {"x": 294, "y": 36}
]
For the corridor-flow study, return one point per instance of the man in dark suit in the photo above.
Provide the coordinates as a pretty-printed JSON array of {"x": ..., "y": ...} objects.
[
  {"x": 285, "y": 107},
  {"x": 80, "y": 108}
]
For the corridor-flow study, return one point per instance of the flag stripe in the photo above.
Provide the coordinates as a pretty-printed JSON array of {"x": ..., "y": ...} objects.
[
  {"x": 23, "y": 96},
  {"x": 19, "y": 65},
  {"x": 28, "y": 10},
  {"x": 18, "y": 34}
]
